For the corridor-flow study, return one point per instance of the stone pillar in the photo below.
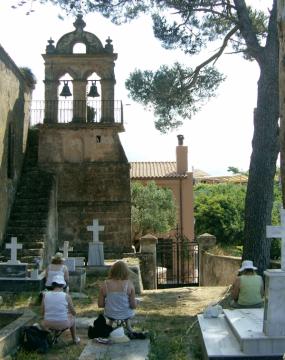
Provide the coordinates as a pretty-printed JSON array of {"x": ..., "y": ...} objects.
[
  {"x": 79, "y": 101},
  {"x": 107, "y": 102},
  {"x": 274, "y": 320},
  {"x": 205, "y": 241},
  {"x": 51, "y": 102},
  {"x": 148, "y": 261}
]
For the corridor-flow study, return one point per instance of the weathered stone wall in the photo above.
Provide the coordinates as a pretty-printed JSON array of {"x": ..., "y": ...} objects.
[
  {"x": 216, "y": 270},
  {"x": 93, "y": 183},
  {"x": 15, "y": 94}
]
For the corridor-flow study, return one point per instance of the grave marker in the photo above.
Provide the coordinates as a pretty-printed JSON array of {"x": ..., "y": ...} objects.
[
  {"x": 13, "y": 246},
  {"x": 95, "y": 251}
]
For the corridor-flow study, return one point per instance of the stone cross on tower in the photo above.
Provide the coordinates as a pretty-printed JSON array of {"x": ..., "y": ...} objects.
[
  {"x": 95, "y": 228},
  {"x": 279, "y": 232},
  {"x": 96, "y": 251},
  {"x": 13, "y": 246}
]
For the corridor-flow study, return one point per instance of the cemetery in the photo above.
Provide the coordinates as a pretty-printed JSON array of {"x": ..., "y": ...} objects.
[{"x": 68, "y": 193}]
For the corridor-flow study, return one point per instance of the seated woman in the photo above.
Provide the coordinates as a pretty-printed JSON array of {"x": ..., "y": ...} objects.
[
  {"x": 57, "y": 309},
  {"x": 117, "y": 295},
  {"x": 247, "y": 290},
  {"x": 56, "y": 267}
]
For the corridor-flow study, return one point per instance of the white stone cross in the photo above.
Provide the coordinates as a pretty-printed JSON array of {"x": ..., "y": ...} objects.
[
  {"x": 14, "y": 247},
  {"x": 95, "y": 228},
  {"x": 279, "y": 232},
  {"x": 66, "y": 248}
]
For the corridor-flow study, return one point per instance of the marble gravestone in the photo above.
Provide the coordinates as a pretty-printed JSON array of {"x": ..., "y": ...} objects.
[
  {"x": 251, "y": 333},
  {"x": 95, "y": 250},
  {"x": 14, "y": 274},
  {"x": 13, "y": 268},
  {"x": 69, "y": 262},
  {"x": 274, "y": 320}
]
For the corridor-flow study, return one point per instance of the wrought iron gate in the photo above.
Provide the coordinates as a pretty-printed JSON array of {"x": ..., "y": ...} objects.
[{"x": 177, "y": 263}]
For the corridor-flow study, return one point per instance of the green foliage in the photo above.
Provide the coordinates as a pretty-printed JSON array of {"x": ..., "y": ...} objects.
[
  {"x": 29, "y": 76},
  {"x": 153, "y": 209},
  {"x": 219, "y": 210},
  {"x": 170, "y": 93}
]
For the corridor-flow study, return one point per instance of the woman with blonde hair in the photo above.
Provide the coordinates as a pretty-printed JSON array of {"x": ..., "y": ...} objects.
[
  {"x": 56, "y": 267},
  {"x": 117, "y": 295}
]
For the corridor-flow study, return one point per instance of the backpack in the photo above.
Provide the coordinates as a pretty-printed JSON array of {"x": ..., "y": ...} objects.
[
  {"x": 99, "y": 328},
  {"x": 35, "y": 339}
]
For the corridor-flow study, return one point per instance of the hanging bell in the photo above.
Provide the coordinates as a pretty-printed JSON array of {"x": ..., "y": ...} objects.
[
  {"x": 65, "y": 90},
  {"x": 93, "y": 92}
]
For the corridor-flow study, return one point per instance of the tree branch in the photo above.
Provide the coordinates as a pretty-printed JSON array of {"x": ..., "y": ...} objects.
[{"x": 213, "y": 57}]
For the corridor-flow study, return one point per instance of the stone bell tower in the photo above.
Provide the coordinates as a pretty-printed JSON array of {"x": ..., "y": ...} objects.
[{"x": 79, "y": 142}]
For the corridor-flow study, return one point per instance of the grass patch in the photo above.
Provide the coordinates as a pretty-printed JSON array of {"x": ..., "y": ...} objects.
[
  {"x": 227, "y": 250},
  {"x": 169, "y": 315}
]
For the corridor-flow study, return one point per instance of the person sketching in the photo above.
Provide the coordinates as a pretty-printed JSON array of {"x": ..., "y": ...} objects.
[
  {"x": 56, "y": 267},
  {"x": 57, "y": 309},
  {"x": 117, "y": 295},
  {"x": 247, "y": 290}
]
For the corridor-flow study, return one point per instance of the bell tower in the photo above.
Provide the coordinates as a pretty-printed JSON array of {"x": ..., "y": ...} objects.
[
  {"x": 61, "y": 59},
  {"x": 79, "y": 141}
]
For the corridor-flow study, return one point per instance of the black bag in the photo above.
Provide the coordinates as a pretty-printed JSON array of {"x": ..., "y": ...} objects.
[
  {"x": 35, "y": 339},
  {"x": 99, "y": 328}
]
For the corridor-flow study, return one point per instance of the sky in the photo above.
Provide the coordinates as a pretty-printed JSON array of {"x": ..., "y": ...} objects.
[{"x": 217, "y": 137}]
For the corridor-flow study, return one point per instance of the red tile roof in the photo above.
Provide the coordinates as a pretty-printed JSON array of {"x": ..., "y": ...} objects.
[{"x": 151, "y": 170}]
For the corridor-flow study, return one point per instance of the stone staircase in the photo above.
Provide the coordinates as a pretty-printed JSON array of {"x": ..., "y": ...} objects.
[{"x": 29, "y": 216}]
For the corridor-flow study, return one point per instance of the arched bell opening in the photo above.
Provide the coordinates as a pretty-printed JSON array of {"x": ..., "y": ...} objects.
[
  {"x": 93, "y": 96},
  {"x": 65, "y": 96},
  {"x": 79, "y": 48}
]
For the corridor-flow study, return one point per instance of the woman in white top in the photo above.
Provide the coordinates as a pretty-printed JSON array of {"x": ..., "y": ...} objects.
[
  {"x": 58, "y": 310},
  {"x": 56, "y": 267}
]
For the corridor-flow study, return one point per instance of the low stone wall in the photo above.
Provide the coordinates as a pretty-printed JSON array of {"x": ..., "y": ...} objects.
[{"x": 216, "y": 270}]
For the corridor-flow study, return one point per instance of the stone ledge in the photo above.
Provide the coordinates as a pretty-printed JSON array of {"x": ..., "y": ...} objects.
[{"x": 133, "y": 350}]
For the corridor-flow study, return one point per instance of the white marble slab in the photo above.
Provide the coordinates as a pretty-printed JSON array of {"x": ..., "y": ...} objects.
[
  {"x": 217, "y": 338},
  {"x": 247, "y": 326},
  {"x": 132, "y": 350}
]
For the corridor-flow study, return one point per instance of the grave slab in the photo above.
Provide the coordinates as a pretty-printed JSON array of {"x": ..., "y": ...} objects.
[
  {"x": 8, "y": 270},
  {"x": 247, "y": 325},
  {"x": 133, "y": 350},
  {"x": 237, "y": 334}
]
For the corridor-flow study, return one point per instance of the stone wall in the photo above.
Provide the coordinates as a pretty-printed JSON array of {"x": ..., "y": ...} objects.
[
  {"x": 93, "y": 183},
  {"x": 15, "y": 94},
  {"x": 216, "y": 270}
]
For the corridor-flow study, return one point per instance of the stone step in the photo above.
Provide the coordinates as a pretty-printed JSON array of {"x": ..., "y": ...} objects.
[
  {"x": 22, "y": 215},
  {"x": 27, "y": 222},
  {"x": 27, "y": 209},
  {"x": 40, "y": 201},
  {"x": 23, "y": 230},
  {"x": 33, "y": 245}
]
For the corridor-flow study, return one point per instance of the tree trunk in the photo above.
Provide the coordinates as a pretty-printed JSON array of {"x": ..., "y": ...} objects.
[
  {"x": 281, "y": 28},
  {"x": 265, "y": 148}
]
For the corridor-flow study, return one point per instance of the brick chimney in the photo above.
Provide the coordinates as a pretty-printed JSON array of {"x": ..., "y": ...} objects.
[{"x": 181, "y": 156}]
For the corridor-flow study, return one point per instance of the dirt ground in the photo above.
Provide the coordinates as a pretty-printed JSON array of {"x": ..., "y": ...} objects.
[{"x": 157, "y": 305}]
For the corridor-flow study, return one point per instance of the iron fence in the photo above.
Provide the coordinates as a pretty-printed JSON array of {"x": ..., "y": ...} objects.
[{"x": 177, "y": 263}]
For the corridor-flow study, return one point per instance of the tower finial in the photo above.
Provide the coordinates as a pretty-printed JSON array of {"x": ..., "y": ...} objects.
[{"x": 79, "y": 23}]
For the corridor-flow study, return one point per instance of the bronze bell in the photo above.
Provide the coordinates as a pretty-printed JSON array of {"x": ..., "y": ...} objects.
[
  {"x": 65, "y": 90},
  {"x": 93, "y": 92}
]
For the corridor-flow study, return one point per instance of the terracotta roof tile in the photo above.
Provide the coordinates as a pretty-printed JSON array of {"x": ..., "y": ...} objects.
[{"x": 151, "y": 169}]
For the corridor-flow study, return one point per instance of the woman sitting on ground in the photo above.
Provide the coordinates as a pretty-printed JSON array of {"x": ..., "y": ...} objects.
[
  {"x": 56, "y": 267},
  {"x": 247, "y": 290},
  {"x": 117, "y": 295},
  {"x": 57, "y": 309}
]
